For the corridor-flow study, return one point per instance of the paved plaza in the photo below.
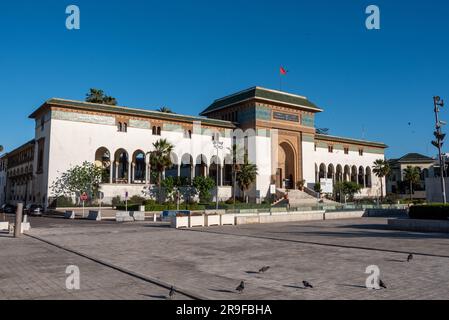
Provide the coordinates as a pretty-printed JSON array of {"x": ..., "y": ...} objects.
[{"x": 209, "y": 263}]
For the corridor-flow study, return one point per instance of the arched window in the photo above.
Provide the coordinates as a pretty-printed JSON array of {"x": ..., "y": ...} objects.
[
  {"x": 119, "y": 126},
  {"x": 158, "y": 131},
  {"x": 154, "y": 130},
  {"x": 125, "y": 127}
]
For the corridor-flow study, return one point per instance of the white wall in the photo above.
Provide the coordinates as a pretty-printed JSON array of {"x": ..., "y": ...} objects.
[
  {"x": 72, "y": 143},
  {"x": 338, "y": 157}
]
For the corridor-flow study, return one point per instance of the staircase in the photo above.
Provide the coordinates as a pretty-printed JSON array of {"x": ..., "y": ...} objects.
[{"x": 300, "y": 198}]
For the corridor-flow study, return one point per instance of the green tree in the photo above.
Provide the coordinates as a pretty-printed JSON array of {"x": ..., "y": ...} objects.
[
  {"x": 412, "y": 176},
  {"x": 165, "y": 110},
  {"x": 381, "y": 169},
  {"x": 246, "y": 175},
  {"x": 203, "y": 186},
  {"x": 85, "y": 178},
  {"x": 98, "y": 96},
  {"x": 1, "y": 148},
  {"x": 160, "y": 160},
  {"x": 348, "y": 188},
  {"x": 170, "y": 186}
]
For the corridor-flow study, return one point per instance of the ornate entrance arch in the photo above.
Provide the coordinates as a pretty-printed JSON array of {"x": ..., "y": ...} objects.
[{"x": 286, "y": 171}]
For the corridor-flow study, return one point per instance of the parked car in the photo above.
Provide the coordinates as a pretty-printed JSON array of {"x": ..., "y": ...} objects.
[
  {"x": 33, "y": 209},
  {"x": 8, "y": 208}
]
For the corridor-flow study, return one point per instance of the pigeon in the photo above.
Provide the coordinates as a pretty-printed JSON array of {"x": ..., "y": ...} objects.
[
  {"x": 382, "y": 284},
  {"x": 410, "y": 257},
  {"x": 172, "y": 293},
  {"x": 307, "y": 284},
  {"x": 264, "y": 269},
  {"x": 241, "y": 287}
]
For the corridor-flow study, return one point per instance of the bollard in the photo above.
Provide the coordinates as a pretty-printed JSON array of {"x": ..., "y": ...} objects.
[
  {"x": 18, "y": 226},
  {"x": 154, "y": 217}
]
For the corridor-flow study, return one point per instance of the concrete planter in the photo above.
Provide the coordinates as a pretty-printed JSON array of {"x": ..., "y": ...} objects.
[
  {"x": 196, "y": 221},
  {"x": 179, "y": 222},
  {"x": 227, "y": 219},
  {"x": 138, "y": 215},
  {"x": 69, "y": 214},
  {"x": 212, "y": 220},
  {"x": 123, "y": 216},
  {"x": 142, "y": 208},
  {"x": 25, "y": 226},
  {"x": 94, "y": 215},
  {"x": 343, "y": 215},
  {"x": 419, "y": 225},
  {"x": 4, "y": 225}
]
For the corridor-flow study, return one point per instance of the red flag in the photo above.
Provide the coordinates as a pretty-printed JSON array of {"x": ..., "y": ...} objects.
[{"x": 283, "y": 71}]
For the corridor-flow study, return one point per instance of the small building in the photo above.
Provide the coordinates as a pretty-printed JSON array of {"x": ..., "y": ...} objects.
[{"x": 395, "y": 180}]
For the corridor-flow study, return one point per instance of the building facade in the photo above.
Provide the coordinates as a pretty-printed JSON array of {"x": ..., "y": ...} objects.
[
  {"x": 395, "y": 180},
  {"x": 3, "y": 176},
  {"x": 20, "y": 175},
  {"x": 275, "y": 129}
]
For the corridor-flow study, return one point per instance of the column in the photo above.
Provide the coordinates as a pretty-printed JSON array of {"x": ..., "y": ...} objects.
[
  {"x": 116, "y": 171},
  {"x": 129, "y": 172},
  {"x": 146, "y": 172},
  {"x": 179, "y": 170},
  {"x": 133, "y": 172},
  {"x": 111, "y": 171}
]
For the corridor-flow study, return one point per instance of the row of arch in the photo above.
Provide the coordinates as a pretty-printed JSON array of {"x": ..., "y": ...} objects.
[
  {"x": 20, "y": 171},
  {"x": 135, "y": 169},
  {"x": 361, "y": 175}
]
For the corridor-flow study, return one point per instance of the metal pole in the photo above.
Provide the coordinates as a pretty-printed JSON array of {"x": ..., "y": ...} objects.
[
  {"x": 216, "y": 174},
  {"x": 438, "y": 128},
  {"x": 18, "y": 226}
]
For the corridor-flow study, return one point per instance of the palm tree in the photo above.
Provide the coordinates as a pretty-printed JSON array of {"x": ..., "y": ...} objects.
[
  {"x": 381, "y": 169},
  {"x": 160, "y": 159},
  {"x": 165, "y": 110},
  {"x": 98, "y": 96},
  {"x": 412, "y": 176},
  {"x": 246, "y": 175}
]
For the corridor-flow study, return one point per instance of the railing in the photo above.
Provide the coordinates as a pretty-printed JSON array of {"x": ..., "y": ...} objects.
[{"x": 311, "y": 192}]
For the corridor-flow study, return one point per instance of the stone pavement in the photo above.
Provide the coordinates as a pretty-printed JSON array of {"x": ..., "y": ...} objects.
[
  {"x": 332, "y": 255},
  {"x": 31, "y": 269}
]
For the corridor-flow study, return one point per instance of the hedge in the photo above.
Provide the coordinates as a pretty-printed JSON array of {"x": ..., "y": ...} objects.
[
  {"x": 430, "y": 211},
  {"x": 160, "y": 207}
]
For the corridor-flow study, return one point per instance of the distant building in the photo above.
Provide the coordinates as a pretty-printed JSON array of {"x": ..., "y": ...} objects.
[
  {"x": 3, "y": 176},
  {"x": 19, "y": 175},
  {"x": 395, "y": 181}
]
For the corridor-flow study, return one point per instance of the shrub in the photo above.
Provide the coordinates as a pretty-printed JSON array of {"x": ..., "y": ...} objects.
[
  {"x": 63, "y": 201},
  {"x": 116, "y": 201},
  {"x": 435, "y": 211},
  {"x": 137, "y": 199}
]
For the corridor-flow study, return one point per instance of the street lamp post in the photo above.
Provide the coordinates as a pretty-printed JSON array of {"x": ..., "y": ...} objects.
[
  {"x": 438, "y": 143},
  {"x": 217, "y": 145}
]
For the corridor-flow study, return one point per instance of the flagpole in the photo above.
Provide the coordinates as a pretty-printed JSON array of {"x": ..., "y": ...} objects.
[{"x": 280, "y": 81}]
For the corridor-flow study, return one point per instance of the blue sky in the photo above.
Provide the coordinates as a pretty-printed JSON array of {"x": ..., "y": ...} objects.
[{"x": 185, "y": 54}]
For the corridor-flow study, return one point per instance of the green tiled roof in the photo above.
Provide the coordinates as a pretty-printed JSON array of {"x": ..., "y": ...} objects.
[
  {"x": 350, "y": 140},
  {"x": 415, "y": 157},
  {"x": 131, "y": 112},
  {"x": 263, "y": 94}
]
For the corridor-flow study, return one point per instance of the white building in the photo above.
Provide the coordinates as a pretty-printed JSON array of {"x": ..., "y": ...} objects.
[{"x": 276, "y": 128}]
